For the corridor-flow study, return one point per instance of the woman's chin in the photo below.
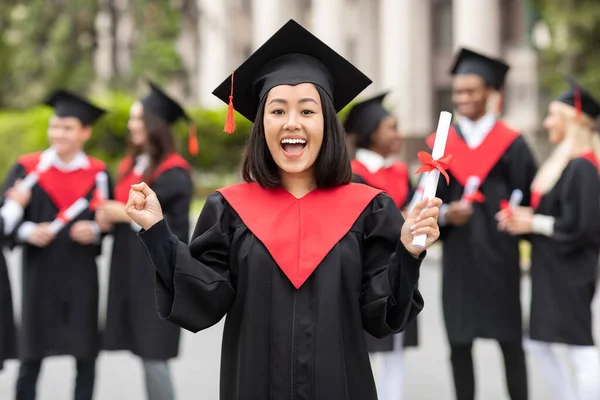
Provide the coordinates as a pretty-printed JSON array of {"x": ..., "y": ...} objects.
[{"x": 293, "y": 167}]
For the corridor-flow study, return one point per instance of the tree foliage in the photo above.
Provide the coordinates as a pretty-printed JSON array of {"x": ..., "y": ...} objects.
[{"x": 574, "y": 27}]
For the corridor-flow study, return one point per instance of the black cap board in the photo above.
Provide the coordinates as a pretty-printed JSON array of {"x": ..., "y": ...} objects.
[
  {"x": 578, "y": 97},
  {"x": 493, "y": 71},
  {"x": 160, "y": 104},
  {"x": 365, "y": 116},
  {"x": 291, "y": 56},
  {"x": 67, "y": 104}
]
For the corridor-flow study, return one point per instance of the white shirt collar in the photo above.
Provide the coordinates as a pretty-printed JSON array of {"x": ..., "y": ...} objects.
[
  {"x": 475, "y": 131},
  {"x": 371, "y": 160},
  {"x": 141, "y": 163},
  {"x": 80, "y": 161}
]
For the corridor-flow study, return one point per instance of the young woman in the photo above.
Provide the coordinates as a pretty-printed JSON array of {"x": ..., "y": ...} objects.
[
  {"x": 564, "y": 221},
  {"x": 300, "y": 260},
  {"x": 378, "y": 139},
  {"x": 132, "y": 323}
]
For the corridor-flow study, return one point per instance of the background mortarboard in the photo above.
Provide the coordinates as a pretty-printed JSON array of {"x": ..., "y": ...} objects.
[
  {"x": 67, "y": 104},
  {"x": 160, "y": 104},
  {"x": 579, "y": 98},
  {"x": 291, "y": 56},
  {"x": 364, "y": 118},
  {"x": 493, "y": 71}
]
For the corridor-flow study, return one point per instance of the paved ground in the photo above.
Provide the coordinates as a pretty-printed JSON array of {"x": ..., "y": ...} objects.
[{"x": 196, "y": 370}]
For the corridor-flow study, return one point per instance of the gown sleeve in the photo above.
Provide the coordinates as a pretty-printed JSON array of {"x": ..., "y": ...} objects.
[
  {"x": 578, "y": 225},
  {"x": 174, "y": 191},
  {"x": 193, "y": 289},
  {"x": 389, "y": 297},
  {"x": 521, "y": 167},
  {"x": 16, "y": 172}
]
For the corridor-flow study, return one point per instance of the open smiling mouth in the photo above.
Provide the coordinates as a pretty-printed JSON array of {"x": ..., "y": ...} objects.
[{"x": 293, "y": 146}]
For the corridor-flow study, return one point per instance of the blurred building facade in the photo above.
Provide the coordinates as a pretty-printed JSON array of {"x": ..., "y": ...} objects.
[{"x": 405, "y": 46}]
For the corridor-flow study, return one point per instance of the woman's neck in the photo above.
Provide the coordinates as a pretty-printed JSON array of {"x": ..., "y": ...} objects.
[{"x": 299, "y": 185}]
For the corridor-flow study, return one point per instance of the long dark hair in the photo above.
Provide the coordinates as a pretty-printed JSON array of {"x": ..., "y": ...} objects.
[
  {"x": 332, "y": 166},
  {"x": 159, "y": 144}
]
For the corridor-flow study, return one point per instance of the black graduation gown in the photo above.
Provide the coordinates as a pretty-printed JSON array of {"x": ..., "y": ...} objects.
[
  {"x": 564, "y": 266},
  {"x": 131, "y": 321},
  {"x": 411, "y": 334},
  {"x": 281, "y": 342},
  {"x": 481, "y": 264},
  {"x": 8, "y": 338},
  {"x": 60, "y": 281}
]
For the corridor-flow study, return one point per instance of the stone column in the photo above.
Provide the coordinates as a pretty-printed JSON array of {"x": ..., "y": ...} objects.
[
  {"x": 406, "y": 69},
  {"x": 476, "y": 24},
  {"x": 213, "y": 35},
  {"x": 267, "y": 17},
  {"x": 327, "y": 19}
]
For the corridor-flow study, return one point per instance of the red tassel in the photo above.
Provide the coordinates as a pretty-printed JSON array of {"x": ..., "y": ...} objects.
[
  {"x": 577, "y": 99},
  {"x": 193, "y": 140},
  {"x": 230, "y": 120}
]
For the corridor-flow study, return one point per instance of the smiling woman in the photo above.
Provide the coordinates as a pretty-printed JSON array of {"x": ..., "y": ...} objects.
[{"x": 299, "y": 259}]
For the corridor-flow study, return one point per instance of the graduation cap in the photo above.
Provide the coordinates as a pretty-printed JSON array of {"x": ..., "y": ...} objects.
[
  {"x": 580, "y": 99},
  {"x": 291, "y": 56},
  {"x": 67, "y": 104},
  {"x": 493, "y": 71},
  {"x": 365, "y": 116},
  {"x": 160, "y": 104}
]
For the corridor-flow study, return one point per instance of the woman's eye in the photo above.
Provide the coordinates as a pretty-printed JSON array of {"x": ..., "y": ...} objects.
[
  {"x": 277, "y": 112},
  {"x": 307, "y": 112}
]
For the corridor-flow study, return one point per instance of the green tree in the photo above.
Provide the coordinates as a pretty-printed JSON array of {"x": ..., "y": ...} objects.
[
  {"x": 45, "y": 44},
  {"x": 574, "y": 27}
]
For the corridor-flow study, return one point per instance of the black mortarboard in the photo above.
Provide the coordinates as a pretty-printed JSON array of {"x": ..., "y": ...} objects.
[
  {"x": 291, "y": 56},
  {"x": 365, "y": 116},
  {"x": 493, "y": 71},
  {"x": 160, "y": 104},
  {"x": 580, "y": 99},
  {"x": 67, "y": 104}
]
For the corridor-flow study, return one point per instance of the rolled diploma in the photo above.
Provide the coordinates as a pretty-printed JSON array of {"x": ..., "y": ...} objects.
[
  {"x": 102, "y": 185},
  {"x": 516, "y": 197},
  {"x": 73, "y": 211},
  {"x": 418, "y": 195},
  {"x": 31, "y": 179},
  {"x": 471, "y": 187},
  {"x": 431, "y": 182}
]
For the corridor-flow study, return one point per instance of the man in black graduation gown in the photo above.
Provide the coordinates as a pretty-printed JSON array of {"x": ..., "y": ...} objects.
[
  {"x": 60, "y": 278},
  {"x": 481, "y": 265}
]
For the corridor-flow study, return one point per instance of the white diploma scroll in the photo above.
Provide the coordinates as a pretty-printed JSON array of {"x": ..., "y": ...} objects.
[
  {"x": 516, "y": 197},
  {"x": 431, "y": 182},
  {"x": 46, "y": 160},
  {"x": 471, "y": 187},
  {"x": 102, "y": 186},
  {"x": 68, "y": 215}
]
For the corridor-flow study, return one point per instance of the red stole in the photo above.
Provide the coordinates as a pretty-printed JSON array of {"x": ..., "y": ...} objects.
[
  {"x": 122, "y": 188},
  {"x": 480, "y": 160},
  {"x": 299, "y": 233},
  {"x": 64, "y": 188},
  {"x": 393, "y": 180}
]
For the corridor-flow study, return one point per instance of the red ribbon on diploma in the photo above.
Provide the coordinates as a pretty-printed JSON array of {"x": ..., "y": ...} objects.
[
  {"x": 96, "y": 200},
  {"x": 476, "y": 197},
  {"x": 429, "y": 164},
  {"x": 62, "y": 217},
  {"x": 505, "y": 207}
]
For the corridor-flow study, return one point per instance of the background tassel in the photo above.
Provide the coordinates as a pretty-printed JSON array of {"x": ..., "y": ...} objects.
[
  {"x": 230, "y": 120},
  {"x": 193, "y": 140}
]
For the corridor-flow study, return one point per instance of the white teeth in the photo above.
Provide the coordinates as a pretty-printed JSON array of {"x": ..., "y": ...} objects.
[{"x": 293, "y": 141}]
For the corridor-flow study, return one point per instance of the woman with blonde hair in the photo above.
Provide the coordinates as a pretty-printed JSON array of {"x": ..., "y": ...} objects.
[{"x": 564, "y": 223}]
